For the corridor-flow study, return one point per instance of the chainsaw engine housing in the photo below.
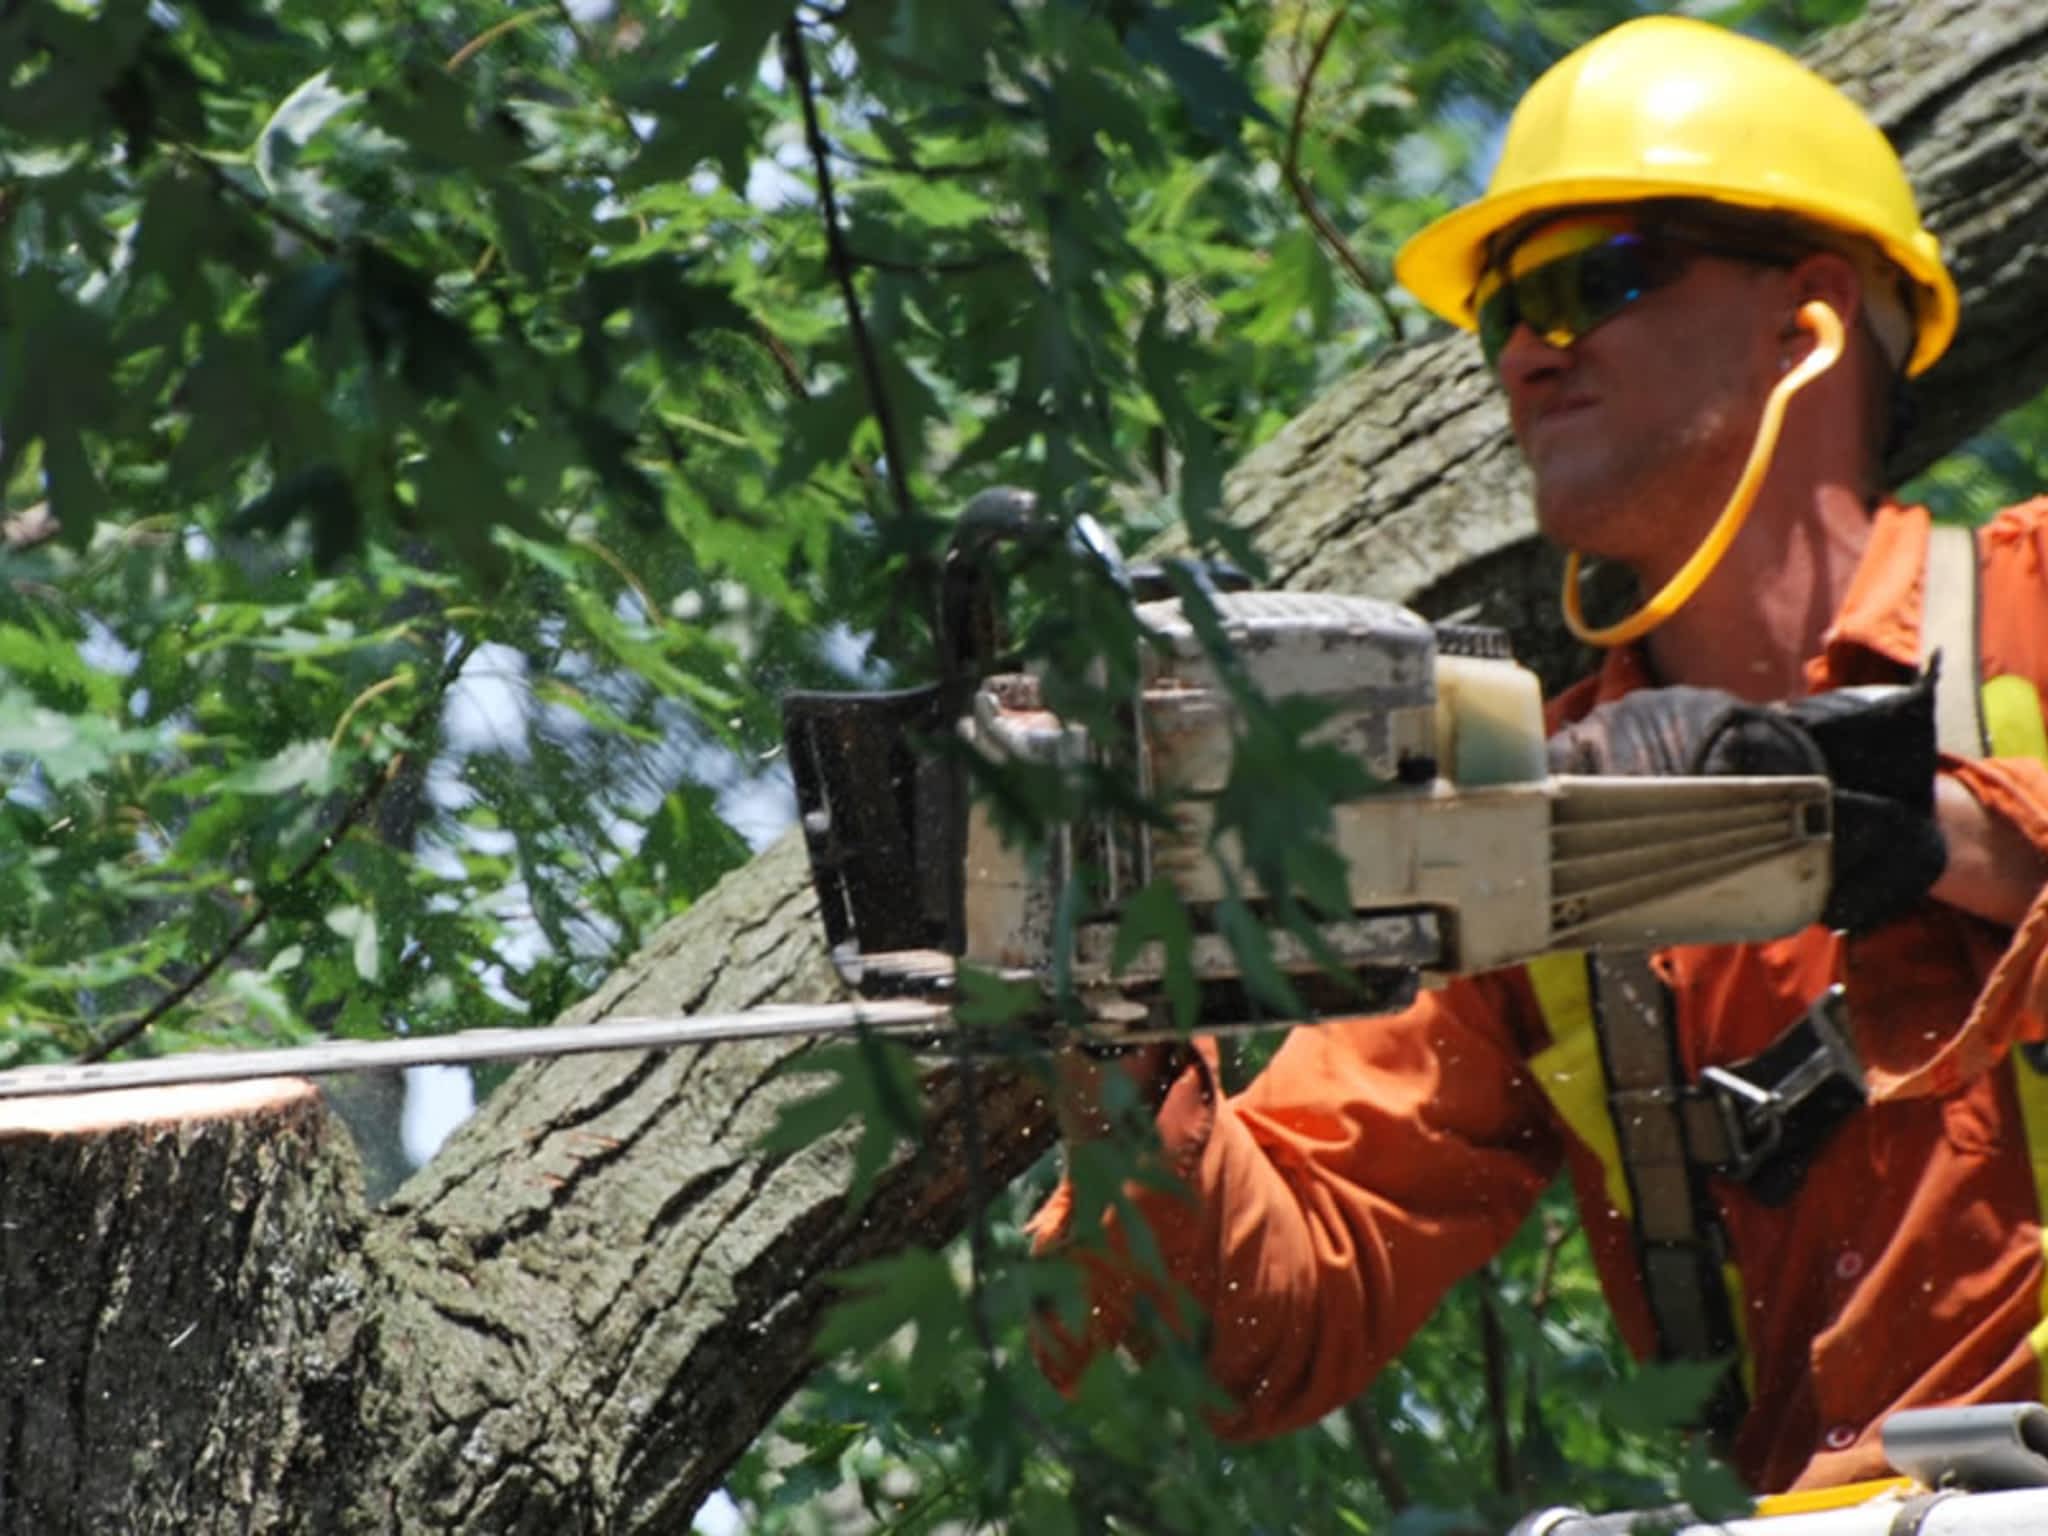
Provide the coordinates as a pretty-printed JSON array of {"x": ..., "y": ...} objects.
[{"x": 1375, "y": 669}]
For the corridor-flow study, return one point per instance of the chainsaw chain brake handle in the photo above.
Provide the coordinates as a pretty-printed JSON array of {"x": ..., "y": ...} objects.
[{"x": 883, "y": 805}]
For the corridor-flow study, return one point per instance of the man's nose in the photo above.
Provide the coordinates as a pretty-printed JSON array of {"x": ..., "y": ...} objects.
[{"x": 1528, "y": 360}]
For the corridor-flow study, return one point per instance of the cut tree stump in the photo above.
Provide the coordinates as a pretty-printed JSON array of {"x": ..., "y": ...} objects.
[{"x": 178, "y": 1274}]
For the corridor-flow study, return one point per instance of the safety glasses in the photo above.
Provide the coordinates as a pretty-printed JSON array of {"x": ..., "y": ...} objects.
[
  {"x": 1569, "y": 278},
  {"x": 1576, "y": 281}
]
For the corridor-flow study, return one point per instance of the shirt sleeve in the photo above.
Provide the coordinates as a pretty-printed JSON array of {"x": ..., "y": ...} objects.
[
  {"x": 1324, "y": 1212},
  {"x": 2011, "y": 1007}
]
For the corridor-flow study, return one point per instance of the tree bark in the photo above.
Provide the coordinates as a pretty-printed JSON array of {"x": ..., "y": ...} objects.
[{"x": 601, "y": 1291}]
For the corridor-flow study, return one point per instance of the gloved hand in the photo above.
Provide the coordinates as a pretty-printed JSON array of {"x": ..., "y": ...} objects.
[
  {"x": 1653, "y": 732},
  {"x": 1874, "y": 745}
]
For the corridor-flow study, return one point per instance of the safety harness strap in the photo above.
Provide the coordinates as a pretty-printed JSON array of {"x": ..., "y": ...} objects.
[
  {"x": 1949, "y": 626},
  {"x": 1678, "y": 1240},
  {"x": 1632, "y": 1013}
]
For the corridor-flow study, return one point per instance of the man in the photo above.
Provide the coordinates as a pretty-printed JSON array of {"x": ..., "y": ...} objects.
[{"x": 1672, "y": 203}]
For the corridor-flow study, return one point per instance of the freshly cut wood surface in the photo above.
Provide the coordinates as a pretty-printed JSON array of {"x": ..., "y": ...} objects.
[{"x": 88, "y": 1114}]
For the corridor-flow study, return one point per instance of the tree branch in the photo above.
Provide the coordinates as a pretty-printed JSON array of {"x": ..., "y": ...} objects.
[
  {"x": 1493, "y": 1350},
  {"x": 798, "y": 65},
  {"x": 1290, "y": 167},
  {"x": 1555, "y": 1231},
  {"x": 1379, "y": 1456},
  {"x": 491, "y": 34},
  {"x": 263, "y": 207}
]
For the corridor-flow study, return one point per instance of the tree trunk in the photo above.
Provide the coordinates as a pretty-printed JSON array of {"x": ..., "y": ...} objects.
[{"x": 600, "y": 1292}]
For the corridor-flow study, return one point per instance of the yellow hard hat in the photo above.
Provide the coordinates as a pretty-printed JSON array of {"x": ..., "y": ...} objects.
[{"x": 1667, "y": 107}]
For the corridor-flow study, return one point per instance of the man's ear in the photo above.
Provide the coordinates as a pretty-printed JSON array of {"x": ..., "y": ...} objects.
[{"x": 1831, "y": 279}]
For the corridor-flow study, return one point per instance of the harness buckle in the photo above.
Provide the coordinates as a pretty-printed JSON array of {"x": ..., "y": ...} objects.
[{"x": 1776, "y": 1109}]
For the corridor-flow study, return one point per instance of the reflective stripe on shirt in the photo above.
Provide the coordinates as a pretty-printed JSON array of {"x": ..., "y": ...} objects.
[{"x": 2014, "y": 723}]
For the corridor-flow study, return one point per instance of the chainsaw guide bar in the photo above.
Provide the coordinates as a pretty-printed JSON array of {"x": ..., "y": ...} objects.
[{"x": 913, "y": 1007}]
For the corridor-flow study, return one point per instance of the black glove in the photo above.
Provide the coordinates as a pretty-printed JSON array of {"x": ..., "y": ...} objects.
[
  {"x": 1653, "y": 732},
  {"x": 1874, "y": 745}
]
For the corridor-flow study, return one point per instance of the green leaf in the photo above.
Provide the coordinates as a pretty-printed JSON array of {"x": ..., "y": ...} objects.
[
  {"x": 1667, "y": 1394},
  {"x": 942, "y": 204},
  {"x": 319, "y": 493},
  {"x": 912, "y": 1289},
  {"x": 255, "y": 991},
  {"x": 992, "y": 1439},
  {"x": 721, "y": 129},
  {"x": 1216, "y": 97},
  {"x": 404, "y": 325},
  {"x": 676, "y": 311},
  {"x": 1156, "y": 915},
  {"x": 304, "y": 765},
  {"x": 1711, "y": 1487},
  {"x": 429, "y": 109},
  {"x": 876, "y": 1089},
  {"x": 68, "y": 748},
  {"x": 820, "y": 432},
  {"x": 77, "y": 498},
  {"x": 359, "y": 926},
  {"x": 992, "y": 1002},
  {"x": 49, "y": 653},
  {"x": 299, "y": 304},
  {"x": 312, "y": 104},
  {"x": 1253, "y": 949},
  {"x": 689, "y": 846}
]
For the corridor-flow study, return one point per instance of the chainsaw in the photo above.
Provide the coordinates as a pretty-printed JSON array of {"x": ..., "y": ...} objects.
[{"x": 1461, "y": 854}]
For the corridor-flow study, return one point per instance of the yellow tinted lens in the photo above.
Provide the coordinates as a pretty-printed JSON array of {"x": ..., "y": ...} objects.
[{"x": 1565, "y": 237}]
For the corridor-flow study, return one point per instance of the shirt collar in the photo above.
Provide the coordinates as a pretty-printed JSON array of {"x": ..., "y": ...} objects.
[{"x": 1880, "y": 614}]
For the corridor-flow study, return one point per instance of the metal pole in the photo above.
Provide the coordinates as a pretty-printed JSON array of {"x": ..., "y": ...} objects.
[{"x": 2014, "y": 1512}]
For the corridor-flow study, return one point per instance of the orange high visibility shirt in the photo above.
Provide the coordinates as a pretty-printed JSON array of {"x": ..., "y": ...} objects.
[{"x": 1378, "y": 1160}]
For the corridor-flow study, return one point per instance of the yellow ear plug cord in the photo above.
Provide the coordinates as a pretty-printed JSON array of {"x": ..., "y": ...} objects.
[{"x": 1826, "y": 326}]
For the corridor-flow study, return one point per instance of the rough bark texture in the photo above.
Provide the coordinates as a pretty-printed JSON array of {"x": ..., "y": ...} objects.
[
  {"x": 180, "y": 1291},
  {"x": 599, "y": 1292}
]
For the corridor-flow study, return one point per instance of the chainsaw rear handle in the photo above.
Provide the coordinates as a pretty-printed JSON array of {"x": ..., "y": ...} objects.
[{"x": 970, "y": 630}]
